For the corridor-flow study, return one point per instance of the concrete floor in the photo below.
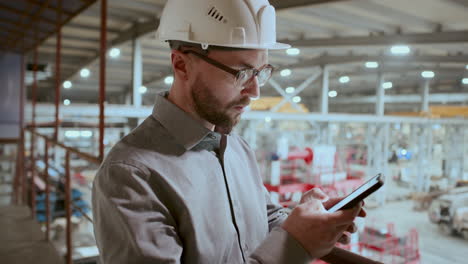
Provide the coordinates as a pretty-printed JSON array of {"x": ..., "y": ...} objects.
[
  {"x": 435, "y": 248},
  {"x": 21, "y": 239}
]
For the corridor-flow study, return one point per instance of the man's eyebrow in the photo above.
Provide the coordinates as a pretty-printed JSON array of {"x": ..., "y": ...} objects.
[{"x": 246, "y": 65}]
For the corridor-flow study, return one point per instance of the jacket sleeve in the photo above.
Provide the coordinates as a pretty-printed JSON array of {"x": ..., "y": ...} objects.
[
  {"x": 131, "y": 225},
  {"x": 279, "y": 247}
]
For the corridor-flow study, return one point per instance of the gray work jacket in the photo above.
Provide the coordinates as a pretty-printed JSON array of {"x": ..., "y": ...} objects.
[{"x": 173, "y": 191}]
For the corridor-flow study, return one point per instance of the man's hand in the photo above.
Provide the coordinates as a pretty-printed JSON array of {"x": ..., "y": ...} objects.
[{"x": 316, "y": 229}]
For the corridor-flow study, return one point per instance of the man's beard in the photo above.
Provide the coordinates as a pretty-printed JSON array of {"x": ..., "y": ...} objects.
[{"x": 210, "y": 109}]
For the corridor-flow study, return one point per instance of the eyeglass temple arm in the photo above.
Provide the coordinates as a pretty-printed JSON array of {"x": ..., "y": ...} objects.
[{"x": 213, "y": 62}]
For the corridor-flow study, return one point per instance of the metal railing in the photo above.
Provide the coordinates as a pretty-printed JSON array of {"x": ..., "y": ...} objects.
[{"x": 21, "y": 187}]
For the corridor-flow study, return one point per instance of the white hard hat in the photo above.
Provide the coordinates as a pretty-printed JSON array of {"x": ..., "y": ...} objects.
[{"x": 248, "y": 24}]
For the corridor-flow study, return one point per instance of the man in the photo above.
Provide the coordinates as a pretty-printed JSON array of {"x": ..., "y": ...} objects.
[{"x": 181, "y": 188}]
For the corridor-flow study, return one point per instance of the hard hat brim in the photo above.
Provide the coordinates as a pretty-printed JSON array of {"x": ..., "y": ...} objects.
[{"x": 272, "y": 46}]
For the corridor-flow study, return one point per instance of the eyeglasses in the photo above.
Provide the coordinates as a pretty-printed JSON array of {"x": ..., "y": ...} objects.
[{"x": 243, "y": 76}]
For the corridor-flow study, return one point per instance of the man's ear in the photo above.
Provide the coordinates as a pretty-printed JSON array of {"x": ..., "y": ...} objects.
[{"x": 180, "y": 64}]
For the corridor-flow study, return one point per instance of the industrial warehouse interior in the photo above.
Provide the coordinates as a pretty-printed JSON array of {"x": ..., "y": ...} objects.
[{"x": 366, "y": 87}]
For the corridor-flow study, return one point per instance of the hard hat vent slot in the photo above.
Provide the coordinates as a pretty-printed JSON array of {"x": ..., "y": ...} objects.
[{"x": 216, "y": 14}]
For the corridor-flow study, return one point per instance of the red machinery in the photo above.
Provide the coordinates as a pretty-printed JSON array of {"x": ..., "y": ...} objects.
[
  {"x": 385, "y": 246},
  {"x": 291, "y": 182}
]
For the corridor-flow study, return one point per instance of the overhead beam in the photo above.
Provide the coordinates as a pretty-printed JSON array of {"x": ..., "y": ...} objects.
[
  {"x": 298, "y": 90},
  {"x": 32, "y": 25},
  {"x": 403, "y": 17},
  {"x": 78, "y": 11},
  {"x": 350, "y": 20},
  {"x": 91, "y": 110},
  {"x": 282, "y": 4},
  {"x": 75, "y": 26},
  {"x": 400, "y": 85},
  {"x": 38, "y": 3},
  {"x": 329, "y": 59},
  {"x": 407, "y": 98},
  {"x": 286, "y": 98},
  {"x": 23, "y": 13},
  {"x": 136, "y": 31},
  {"x": 450, "y": 71},
  {"x": 416, "y": 38}
]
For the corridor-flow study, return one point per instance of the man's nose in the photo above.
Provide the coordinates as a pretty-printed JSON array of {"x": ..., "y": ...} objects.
[{"x": 252, "y": 88}]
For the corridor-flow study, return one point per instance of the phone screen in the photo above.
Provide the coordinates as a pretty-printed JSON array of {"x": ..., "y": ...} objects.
[{"x": 359, "y": 194}]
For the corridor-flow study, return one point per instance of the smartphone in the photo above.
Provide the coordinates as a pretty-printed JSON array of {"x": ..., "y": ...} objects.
[{"x": 359, "y": 194}]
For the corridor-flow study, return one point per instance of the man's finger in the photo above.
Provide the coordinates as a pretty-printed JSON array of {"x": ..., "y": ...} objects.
[
  {"x": 362, "y": 213},
  {"x": 344, "y": 239},
  {"x": 332, "y": 201},
  {"x": 315, "y": 193},
  {"x": 352, "y": 228},
  {"x": 342, "y": 217},
  {"x": 313, "y": 206}
]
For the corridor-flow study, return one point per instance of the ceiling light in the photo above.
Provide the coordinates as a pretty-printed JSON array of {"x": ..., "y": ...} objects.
[
  {"x": 268, "y": 119},
  {"x": 293, "y": 51},
  {"x": 169, "y": 80},
  {"x": 114, "y": 53},
  {"x": 372, "y": 64},
  {"x": 72, "y": 134},
  {"x": 296, "y": 99},
  {"x": 427, "y": 74},
  {"x": 84, "y": 73},
  {"x": 400, "y": 50},
  {"x": 86, "y": 133},
  {"x": 67, "y": 84},
  {"x": 290, "y": 90},
  {"x": 332, "y": 94},
  {"x": 143, "y": 89},
  {"x": 285, "y": 72},
  {"x": 344, "y": 79},
  {"x": 465, "y": 80},
  {"x": 66, "y": 102},
  {"x": 387, "y": 85}
]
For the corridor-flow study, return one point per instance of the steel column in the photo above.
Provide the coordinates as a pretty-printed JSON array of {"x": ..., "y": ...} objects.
[
  {"x": 377, "y": 140},
  {"x": 424, "y": 157},
  {"x": 47, "y": 187},
  {"x": 102, "y": 76},
  {"x": 137, "y": 71},
  {"x": 33, "y": 161},
  {"x": 68, "y": 208},
  {"x": 325, "y": 88},
  {"x": 464, "y": 153},
  {"x": 385, "y": 156},
  {"x": 380, "y": 104},
  {"x": 21, "y": 147},
  {"x": 19, "y": 180},
  {"x": 425, "y": 97},
  {"x": 33, "y": 173},
  {"x": 57, "y": 68},
  {"x": 325, "y": 136},
  {"x": 23, "y": 178},
  {"x": 454, "y": 152}
]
